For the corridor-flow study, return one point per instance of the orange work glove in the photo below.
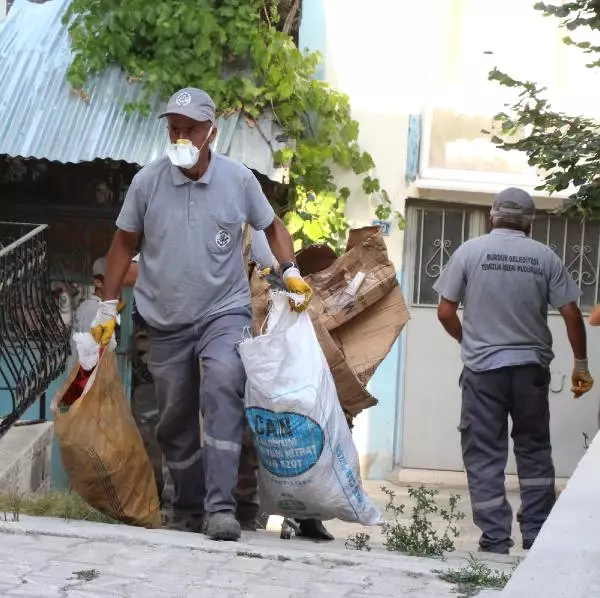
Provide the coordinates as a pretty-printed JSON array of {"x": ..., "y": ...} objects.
[
  {"x": 298, "y": 286},
  {"x": 581, "y": 378}
]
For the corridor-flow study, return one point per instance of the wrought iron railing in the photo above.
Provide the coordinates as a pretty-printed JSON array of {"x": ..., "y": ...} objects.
[{"x": 34, "y": 341}]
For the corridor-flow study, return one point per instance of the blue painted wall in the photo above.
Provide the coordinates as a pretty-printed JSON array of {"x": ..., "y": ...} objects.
[{"x": 384, "y": 431}]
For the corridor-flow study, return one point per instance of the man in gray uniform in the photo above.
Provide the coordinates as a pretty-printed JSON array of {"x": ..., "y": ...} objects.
[
  {"x": 188, "y": 208},
  {"x": 506, "y": 281}
]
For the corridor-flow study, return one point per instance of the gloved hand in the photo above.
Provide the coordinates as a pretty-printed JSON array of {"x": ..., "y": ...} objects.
[
  {"x": 103, "y": 325},
  {"x": 581, "y": 378},
  {"x": 297, "y": 285}
]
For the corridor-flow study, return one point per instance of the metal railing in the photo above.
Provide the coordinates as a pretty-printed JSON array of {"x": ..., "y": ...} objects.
[{"x": 34, "y": 341}]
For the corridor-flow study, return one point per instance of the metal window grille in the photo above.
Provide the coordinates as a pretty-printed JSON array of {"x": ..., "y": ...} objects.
[
  {"x": 439, "y": 233},
  {"x": 577, "y": 243},
  {"x": 34, "y": 342}
]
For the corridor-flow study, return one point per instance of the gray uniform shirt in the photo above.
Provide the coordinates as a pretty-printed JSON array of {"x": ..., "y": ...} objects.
[
  {"x": 191, "y": 257},
  {"x": 260, "y": 252},
  {"x": 505, "y": 281}
]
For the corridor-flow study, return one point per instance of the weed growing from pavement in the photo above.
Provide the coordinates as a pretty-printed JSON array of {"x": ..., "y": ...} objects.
[
  {"x": 473, "y": 577},
  {"x": 86, "y": 575},
  {"x": 11, "y": 506},
  {"x": 418, "y": 537},
  {"x": 359, "y": 541},
  {"x": 64, "y": 504}
]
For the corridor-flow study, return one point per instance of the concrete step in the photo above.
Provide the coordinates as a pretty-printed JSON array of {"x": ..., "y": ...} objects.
[
  {"x": 25, "y": 458},
  {"x": 450, "y": 479}
]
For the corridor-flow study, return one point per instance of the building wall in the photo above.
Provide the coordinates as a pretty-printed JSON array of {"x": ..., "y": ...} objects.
[
  {"x": 425, "y": 65},
  {"x": 364, "y": 48}
]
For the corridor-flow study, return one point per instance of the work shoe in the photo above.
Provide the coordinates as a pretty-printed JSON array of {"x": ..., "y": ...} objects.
[
  {"x": 250, "y": 524},
  {"x": 313, "y": 529},
  {"x": 223, "y": 526},
  {"x": 528, "y": 543},
  {"x": 494, "y": 550},
  {"x": 497, "y": 548},
  {"x": 248, "y": 518},
  {"x": 184, "y": 522}
]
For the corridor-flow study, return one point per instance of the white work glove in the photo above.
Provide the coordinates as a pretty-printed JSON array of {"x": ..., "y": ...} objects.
[
  {"x": 103, "y": 325},
  {"x": 581, "y": 379}
]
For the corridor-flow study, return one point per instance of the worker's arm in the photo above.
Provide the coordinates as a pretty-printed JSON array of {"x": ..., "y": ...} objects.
[
  {"x": 282, "y": 246},
  {"x": 260, "y": 252},
  {"x": 130, "y": 226},
  {"x": 131, "y": 275},
  {"x": 260, "y": 216},
  {"x": 575, "y": 329},
  {"x": 581, "y": 378},
  {"x": 280, "y": 241},
  {"x": 594, "y": 317},
  {"x": 451, "y": 286},
  {"x": 448, "y": 317},
  {"x": 118, "y": 262}
]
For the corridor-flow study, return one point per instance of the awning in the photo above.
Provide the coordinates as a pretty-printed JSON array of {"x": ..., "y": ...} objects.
[{"x": 42, "y": 117}]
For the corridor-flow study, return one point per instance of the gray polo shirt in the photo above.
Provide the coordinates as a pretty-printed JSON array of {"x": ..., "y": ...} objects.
[
  {"x": 191, "y": 258},
  {"x": 505, "y": 281}
]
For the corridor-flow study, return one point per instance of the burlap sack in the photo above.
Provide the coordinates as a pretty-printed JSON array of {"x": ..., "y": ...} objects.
[{"x": 103, "y": 452}]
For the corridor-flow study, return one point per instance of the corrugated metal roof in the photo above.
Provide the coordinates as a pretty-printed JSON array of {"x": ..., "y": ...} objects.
[{"x": 41, "y": 117}]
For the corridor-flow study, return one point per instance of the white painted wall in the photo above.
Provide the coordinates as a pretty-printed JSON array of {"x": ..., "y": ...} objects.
[
  {"x": 395, "y": 58},
  {"x": 369, "y": 51},
  {"x": 432, "y": 407}
]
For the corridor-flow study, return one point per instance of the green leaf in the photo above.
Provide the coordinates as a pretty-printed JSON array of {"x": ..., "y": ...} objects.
[
  {"x": 294, "y": 222},
  {"x": 313, "y": 230},
  {"x": 236, "y": 51}
]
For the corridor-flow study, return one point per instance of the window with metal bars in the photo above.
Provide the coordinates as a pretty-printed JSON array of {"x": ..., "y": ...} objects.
[
  {"x": 577, "y": 243},
  {"x": 440, "y": 231}
]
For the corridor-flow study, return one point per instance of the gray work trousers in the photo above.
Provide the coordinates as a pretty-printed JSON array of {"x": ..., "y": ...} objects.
[
  {"x": 204, "y": 479},
  {"x": 488, "y": 398}
]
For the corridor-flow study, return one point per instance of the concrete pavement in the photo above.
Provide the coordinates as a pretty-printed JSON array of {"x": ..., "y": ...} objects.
[{"x": 52, "y": 558}]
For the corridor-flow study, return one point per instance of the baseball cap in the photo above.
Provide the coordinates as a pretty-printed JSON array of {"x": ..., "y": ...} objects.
[
  {"x": 99, "y": 267},
  {"x": 193, "y": 103},
  {"x": 513, "y": 204}
]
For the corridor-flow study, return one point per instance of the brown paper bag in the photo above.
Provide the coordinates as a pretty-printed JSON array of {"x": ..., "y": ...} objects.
[{"x": 102, "y": 450}]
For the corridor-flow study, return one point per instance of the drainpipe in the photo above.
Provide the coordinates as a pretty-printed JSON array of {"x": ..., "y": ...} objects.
[{"x": 3, "y": 9}]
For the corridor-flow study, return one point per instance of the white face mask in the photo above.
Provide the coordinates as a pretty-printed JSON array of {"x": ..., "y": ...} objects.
[{"x": 184, "y": 154}]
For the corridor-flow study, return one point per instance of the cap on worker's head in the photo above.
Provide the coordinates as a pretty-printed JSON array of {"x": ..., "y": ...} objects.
[
  {"x": 99, "y": 267},
  {"x": 193, "y": 103},
  {"x": 514, "y": 205}
]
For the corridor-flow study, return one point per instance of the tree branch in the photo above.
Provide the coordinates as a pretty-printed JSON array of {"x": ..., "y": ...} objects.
[{"x": 290, "y": 19}]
